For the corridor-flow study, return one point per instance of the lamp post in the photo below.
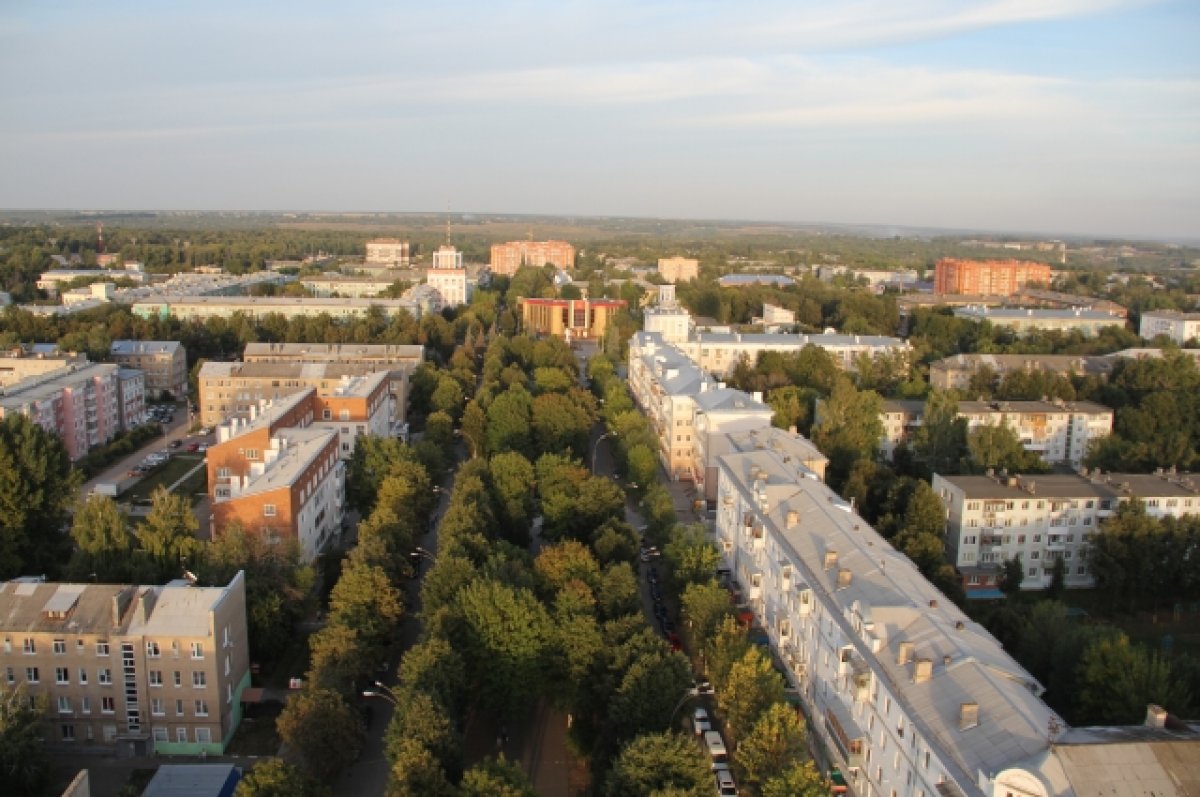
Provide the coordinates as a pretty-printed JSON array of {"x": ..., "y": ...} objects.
[
  {"x": 596, "y": 447},
  {"x": 688, "y": 695},
  {"x": 417, "y": 555},
  {"x": 383, "y": 692}
]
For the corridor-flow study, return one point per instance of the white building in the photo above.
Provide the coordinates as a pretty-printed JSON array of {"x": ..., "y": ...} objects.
[
  {"x": 1179, "y": 327},
  {"x": 1043, "y": 518},
  {"x": 1024, "y": 320},
  {"x": 447, "y": 256},
  {"x": 201, "y": 308},
  {"x": 905, "y": 693},
  {"x": 667, "y": 318},
  {"x": 720, "y": 352},
  {"x": 388, "y": 251}
]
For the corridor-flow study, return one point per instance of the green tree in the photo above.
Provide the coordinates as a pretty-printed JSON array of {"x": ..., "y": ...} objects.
[
  {"x": 474, "y": 429},
  {"x": 849, "y": 428},
  {"x": 941, "y": 439},
  {"x": 169, "y": 533},
  {"x": 37, "y": 486},
  {"x": 434, "y": 667},
  {"x": 641, "y": 465},
  {"x": 419, "y": 717},
  {"x": 309, "y": 720},
  {"x": 365, "y": 599},
  {"x": 793, "y": 406},
  {"x": 660, "y": 763},
  {"x": 24, "y": 764},
  {"x": 726, "y": 647},
  {"x": 1058, "y": 579},
  {"x": 921, "y": 538},
  {"x": 702, "y": 608},
  {"x": 277, "y": 778},
  {"x": 103, "y": 541},
  {"x": 648, "y": 692},
  {"x": 775, "y": 742},
  {"x": 801, "y": 780},
  {"x": 447, "y": 397},
  {"x": 513, "y": 481},
  {"x": 415, "y": 772},
  {"x": 492, "y": 778},
  {"x": 753, "y": 686},
  {"x": 1117, "y": 680},
  {"x": 690, "y": 555},
  {"x": 998, "y": 447},
  {"x": 338, "y": 658},
  {"x": 1012, "y": 574},
  {"x": 560, "y": 425},
  {"x": 508, "y": 422}
]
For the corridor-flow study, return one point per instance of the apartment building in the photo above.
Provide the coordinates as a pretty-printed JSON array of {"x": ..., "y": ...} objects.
[
  {"x": 955, "y": 372},
  {"x": 1024, "y": 320},
  {"x": 131, "y": 397},
  {"x": 79, "y": 403},
  {"x": 1043, "y": 518},
  {"x": 678, "y": 269},
  {"x": 904, "y": 693},
  {"x": 136, "y": 670},
  {"x": 1179, "y": 327},
  {"x": 447, "y": 257},
  {"x": 987, "y": 277},
  {"x": 358, "y": 395},
  {"x": 399, "y": 361},
  {"x": 664, "y": 384},
  {"x": 572, "y": 319},
  {"x": 50, "y": 281},
  {"x": 1057, "y": 431},
  {"x": 448, "y": 278},
  {"x": 201, "y": 308},
  {"x": 719, "y": 352},
  {"x": 667, "y": 318},
  {"x": 280, "y": 473},
  {"x": 345, "y": 285},
  {"x": 19, "y": 364},
  {"x": 388, "y": 251},
  {"x": 748, "y": 430},
  {"x": 164, "y": 362},
  {"x": 508, "y": 257}
]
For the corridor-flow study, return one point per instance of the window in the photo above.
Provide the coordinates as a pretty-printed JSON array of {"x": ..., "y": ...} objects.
[
  {"x": 181, "y": 734},
  {"x": 152, "y": 650},
  {"x": 102, "y": 647},
  {"x": 160, "y": 735},
  {"x": 178, "y": 708},
  {"x": 32, "y": 675},
  {"x": 199, "y": 680},
  {"x": 268, "y": 510},
  {"x": 60, "y": 647},
  {"x": 8, "y": 644},
  {"x": 82, "y": 676},
  {"x": 156, "y": 677},
  {"x": 178, "y": 678},
  {"x": 197, "y": 650},
  {"x": 29, "y": 646},
  {"x": 223, "y": 473},
  {"x": 251, "y": 453},
  {"x": 201, "y": 708},
  {"x": 326, "y": 415},
  {"x": 104, "y": 676},
  {"x": 68, "y": 733},
  {"x": 9, "y": 675},
  {"x": 62, "y": 675},
  {"x": 107, "y": 705},
  {"x": 156, "y": 707},
  {"x": 64, "y": 704},
  {"x": 110, "y": 733},
  {"x": 344, "y": 415},
  {"x": 85, "y": 705}
]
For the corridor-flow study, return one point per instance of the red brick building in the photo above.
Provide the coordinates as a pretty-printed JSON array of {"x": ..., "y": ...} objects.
[
  {"x": 987, "y": 277},
  {"x": 508, "y": 257}
]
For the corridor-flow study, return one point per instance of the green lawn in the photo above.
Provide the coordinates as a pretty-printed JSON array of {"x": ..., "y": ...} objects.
[{"x": 167, "y": 475}]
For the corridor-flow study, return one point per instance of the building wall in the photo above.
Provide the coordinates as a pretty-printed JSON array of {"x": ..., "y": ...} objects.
[
  {"x": 391, "y": 251},
  {"x": 508, "y": 257},
  {"x": 678, "y": 269},
  {"x": 164, "y": 369},
  {"x": 1179, "y": 327},
  {"x": 987, "y": 277},
  {"x": 570, "y": 318},
  {"x": 451, "y": 285}
]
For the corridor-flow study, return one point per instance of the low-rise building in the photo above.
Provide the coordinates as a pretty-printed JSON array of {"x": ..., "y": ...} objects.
[
  {"x": 201, "y": 308},
  {"x": 164, "y": 362},
  {"x": 346, "y": 285},
  {"x": 678, "y": 269},
  {"x": 1043, "y": 518},
  {"x": 138, "y": 670},
  {"x": 1024, "y": 320},
  {"x": 572, "y": 319},
  {"x": 50, "y": 281},
  {"x": 742, "y": 280},
  {"x": 720, "y": 352},
  {"x": 1179, "y": 327},
  {"x": 398, "y": 360},
  {"x": 776, "y": 316},
  {"x": 19, "y": 364},
  {"x": 388, "y": 251},
  {"x": 955, "y": 372},
  {"x": 280, "y": 474},
  {"x": 900, "y": 419},
  {"x": 748, "y": 430}
]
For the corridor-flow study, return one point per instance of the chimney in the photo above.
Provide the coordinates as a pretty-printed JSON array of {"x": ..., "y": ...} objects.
[
  {"x": 844, "y": 577},
  {"x": 933, "y": 604},
  {"x": 968, "y": 716},
  {"x": 145, "y": 605},
  {"x": 793, "y": 518},
  {"x": 830, "y": 560},
  {"x": 923, "y": 671},
  {"x": 904, "y": 653},
  {"x": 1156, "y": 716}
]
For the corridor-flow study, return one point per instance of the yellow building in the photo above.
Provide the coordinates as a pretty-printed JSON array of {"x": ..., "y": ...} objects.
[{"x": 573, "y": 319}]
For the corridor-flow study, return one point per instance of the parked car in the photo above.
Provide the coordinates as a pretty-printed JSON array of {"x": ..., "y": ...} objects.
[
  {"x": 175, "y": 444},
  {"x": 700, "y": 722},
  {"x": 715, "y": 745},
  {"x": 726, "y": 787},
  {"x": 702, "y": 686}
]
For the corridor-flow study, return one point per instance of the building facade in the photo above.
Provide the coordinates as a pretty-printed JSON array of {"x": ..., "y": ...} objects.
[
  {"x": 388, "y": 251},
  {"x": 345, "y": 285},
  {"x": 447, "y": 257},
  {"x": 1179, "y": 327},
  {"x": 508, "y": 257},
  {"x": 987, "y": 277},
  {"x": 448, "y": 278},
  {"x": 956, "y": 372},
  {"x": 280, "y": 474},
  {"x": 131, "y": 669},
  {"x": 399, "y": 361},
  {"x": 80, "y": 403},
  {"x": 1023, "y": 320},
  {"x": 164, "y": 362},
  {"x": 720, "y": 352},
  {"x": 572, "y": 319},
  {"x": 1043, "y": 518},
  {"x": 678, "y": 269},
  {"x": 201, "y": 308},
  {"x": 131, "y": 397}
]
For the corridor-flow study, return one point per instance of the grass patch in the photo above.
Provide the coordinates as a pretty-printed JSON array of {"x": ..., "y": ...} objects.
[{"x": 165, "y": 476}]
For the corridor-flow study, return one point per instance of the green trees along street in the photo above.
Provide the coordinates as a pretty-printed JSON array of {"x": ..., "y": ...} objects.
[{"x": 660, "y": 763}]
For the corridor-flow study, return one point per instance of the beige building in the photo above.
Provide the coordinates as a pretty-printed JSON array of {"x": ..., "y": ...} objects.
[
  {"x": 164, "y": 362},
  {"x": 1179, "y": 327},
  {"x": 131, "y": 669},
  {"x": 678, "y": 269},
  {"x": 955, "y": 372},
  {"x": 1045, "y": 517},
  {"x": 1024, "y": 320},
  {"x": 508, "y": 257},
  {"x": 399, "y": 361},
  {"x": 200, "y": 308},
  {"x": 18, "y": 364},
  {"x": 572, "y": 319},
  {"x": 343, "y": 285},
  {"x": 388, "y": 251}
]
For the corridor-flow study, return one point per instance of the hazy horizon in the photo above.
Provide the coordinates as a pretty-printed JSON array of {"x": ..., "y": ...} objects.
[{"x": 1061, "y": 118}]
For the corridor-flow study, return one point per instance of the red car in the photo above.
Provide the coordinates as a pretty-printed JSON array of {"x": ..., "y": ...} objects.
[{"x": 193, "y": 446}]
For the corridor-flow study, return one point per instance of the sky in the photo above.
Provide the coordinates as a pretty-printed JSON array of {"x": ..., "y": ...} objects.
[{"x": 1046, "y": 116}]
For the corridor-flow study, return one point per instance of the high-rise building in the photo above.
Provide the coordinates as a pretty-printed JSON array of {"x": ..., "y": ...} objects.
[
  {"x": 987, "y": 277},
  {"x": 678, "y": 269},
  {"x": 164, "y": 363},
  {"x": 508, "y": 257}
]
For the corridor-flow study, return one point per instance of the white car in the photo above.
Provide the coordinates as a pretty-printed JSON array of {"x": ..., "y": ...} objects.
[
  {"x": 726, "y": 787},
  {"x": 700, "y": 722}
]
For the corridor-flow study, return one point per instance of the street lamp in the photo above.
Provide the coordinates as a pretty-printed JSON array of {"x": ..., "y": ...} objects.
[
  {"x": 596, "y": 447},
  {"x": 383, "y": 692},
  {"x": 688, "y": 695}
]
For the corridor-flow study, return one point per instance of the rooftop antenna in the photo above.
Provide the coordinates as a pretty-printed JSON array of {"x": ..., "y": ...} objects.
[
  {"x": 100, "y": 237},
  {"x": 447, "y": 224}
]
